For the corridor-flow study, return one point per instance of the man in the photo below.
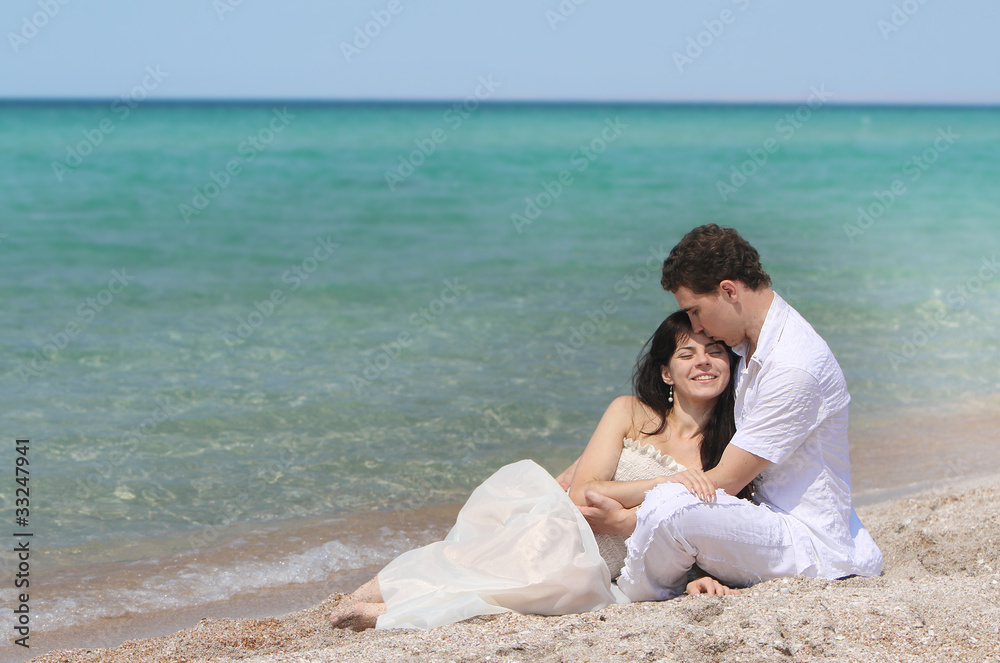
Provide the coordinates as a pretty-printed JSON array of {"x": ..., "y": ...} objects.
[{"x": 791, "y": 441}]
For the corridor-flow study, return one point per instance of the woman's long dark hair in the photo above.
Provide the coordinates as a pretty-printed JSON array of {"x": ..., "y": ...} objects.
[{"x": 649, "y": 387}]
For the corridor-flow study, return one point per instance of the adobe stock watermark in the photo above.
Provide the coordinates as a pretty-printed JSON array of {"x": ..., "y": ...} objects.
[
  {"x": 958, "y": 298},
  {"x": 231, "y": 511},
  {"x": 382, "y": 358},
  {"x": 454, "y": 117},
  {"x": 599, "y": 316},
  {"x": 86, "y": 313},
  {"x": 562, "y": 12},
  {"x": 703, "y": 40},
  {"x": 791, "y": 292},
  {"x": 363, "y": 35},
  {"x": 97, "y": 477},
  {"x": 293, "y": 277},
  {"x": 956, "y": 468},
  {"x": 580, "y": 161},
  {"x": 223, "y": 7},
  {"x": 121, "y": 107},
  {"x": 35, "y": 23},
  {"x": 246, "y": 151},
  {"x": 900, "y": 16},
  {"x": 784, "y": 129},
  {"x": 913, "y": 169},
  {"x": 494, "y": 420}
]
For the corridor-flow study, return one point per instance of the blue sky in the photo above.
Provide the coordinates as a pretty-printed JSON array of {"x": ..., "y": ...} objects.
[{"x": 897, "y": 51}]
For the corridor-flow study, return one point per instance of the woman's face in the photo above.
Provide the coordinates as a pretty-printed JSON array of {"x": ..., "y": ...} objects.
[{"x": 699, "y": 368}]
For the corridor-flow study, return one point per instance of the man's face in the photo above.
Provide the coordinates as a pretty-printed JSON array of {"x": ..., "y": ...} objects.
[{"x": 712, "y": 315}]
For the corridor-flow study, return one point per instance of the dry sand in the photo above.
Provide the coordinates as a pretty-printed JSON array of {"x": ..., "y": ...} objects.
[{"x": 938, "y": 600}]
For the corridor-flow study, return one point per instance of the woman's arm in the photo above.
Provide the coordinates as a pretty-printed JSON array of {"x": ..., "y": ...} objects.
[
  {"x": 627, "y": 493},
  {"x": 596, "y": 468}
]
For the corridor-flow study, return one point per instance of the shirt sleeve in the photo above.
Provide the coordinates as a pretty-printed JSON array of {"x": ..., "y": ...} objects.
[{"x": 786, "y": 408}]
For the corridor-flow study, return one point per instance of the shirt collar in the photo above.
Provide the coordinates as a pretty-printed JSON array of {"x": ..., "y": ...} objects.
[{"x": 769, "y": 331}]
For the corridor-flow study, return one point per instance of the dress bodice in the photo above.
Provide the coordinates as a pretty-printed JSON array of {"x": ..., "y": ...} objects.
[
  {"x": 636, "y": 462},
  {"x": 642, "y": 461}
]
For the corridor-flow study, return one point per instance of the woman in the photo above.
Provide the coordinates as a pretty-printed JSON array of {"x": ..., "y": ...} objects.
[{"x": 521, "y": 544}]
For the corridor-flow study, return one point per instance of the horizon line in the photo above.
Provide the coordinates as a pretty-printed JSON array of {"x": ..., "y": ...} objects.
[{"x": 375, "y": 101}]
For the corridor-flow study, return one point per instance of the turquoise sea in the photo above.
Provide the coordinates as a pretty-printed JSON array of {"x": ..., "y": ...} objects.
[{"x": 243, "y": 338}]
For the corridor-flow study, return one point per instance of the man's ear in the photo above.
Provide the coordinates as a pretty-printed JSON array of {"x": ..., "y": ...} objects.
[
  {"x": 729, "y": 291},
  {"x": 665, "y": 374}
]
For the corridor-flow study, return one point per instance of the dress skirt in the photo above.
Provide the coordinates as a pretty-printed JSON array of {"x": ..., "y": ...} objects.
[{"x": 519, "y": 544}]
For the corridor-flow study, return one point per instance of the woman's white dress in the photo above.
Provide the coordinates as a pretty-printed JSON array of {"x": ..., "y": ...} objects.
[{"x": 519, "y": 544}]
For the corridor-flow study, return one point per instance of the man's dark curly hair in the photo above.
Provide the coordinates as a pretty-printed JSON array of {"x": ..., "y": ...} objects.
[{"x": 708, "y": 255}]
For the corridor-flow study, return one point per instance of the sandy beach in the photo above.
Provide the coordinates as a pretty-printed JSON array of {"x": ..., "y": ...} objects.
[{"x": 937, "y": 600}]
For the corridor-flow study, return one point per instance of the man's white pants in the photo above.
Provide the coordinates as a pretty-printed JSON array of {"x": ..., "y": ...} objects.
[{"x": 737, "y": 541}]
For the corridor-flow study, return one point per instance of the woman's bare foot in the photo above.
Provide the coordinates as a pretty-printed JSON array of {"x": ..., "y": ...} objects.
[
  {"x": 361, "y": 609},
  {"x": 369, "y": 592},
  {"x": 356, "y": 616}
]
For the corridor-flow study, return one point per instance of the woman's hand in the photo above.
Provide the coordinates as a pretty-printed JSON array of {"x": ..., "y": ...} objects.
[
  {"x": 566, "y": 478},
  {"x": 710, "y": 586},
  {"x": 697, "y": 482}
]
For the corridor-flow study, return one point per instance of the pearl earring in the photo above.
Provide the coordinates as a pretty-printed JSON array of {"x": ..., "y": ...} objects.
[{"x": 670, "y": 394}]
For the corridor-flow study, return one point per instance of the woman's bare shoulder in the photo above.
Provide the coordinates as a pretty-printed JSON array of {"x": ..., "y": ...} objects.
[
  {"x": 628, "y": 407},
  {"x": 635, "y": 414}
]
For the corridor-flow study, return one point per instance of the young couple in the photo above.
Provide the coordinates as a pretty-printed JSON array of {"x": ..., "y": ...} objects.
[{"x": 732, "y": 464}]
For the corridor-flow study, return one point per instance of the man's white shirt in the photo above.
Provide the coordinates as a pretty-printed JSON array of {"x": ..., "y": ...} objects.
[{"x": 792, "y": 409}]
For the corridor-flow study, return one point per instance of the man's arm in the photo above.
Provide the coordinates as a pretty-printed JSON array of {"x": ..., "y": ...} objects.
[
  {"x": 788, "y": 408},
  {"x": 736, "y": 469},
  {"x": 606, "y": 516},
  {"x": 787, "y": 412}
]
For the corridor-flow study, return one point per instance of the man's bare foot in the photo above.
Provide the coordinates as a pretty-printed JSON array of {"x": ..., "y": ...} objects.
[{"x": 356, "y": 616}]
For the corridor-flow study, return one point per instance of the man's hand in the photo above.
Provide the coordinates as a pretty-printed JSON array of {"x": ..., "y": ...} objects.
[
  {"x": 607, "y": 516},
  {"x": 711, "y": 586}
]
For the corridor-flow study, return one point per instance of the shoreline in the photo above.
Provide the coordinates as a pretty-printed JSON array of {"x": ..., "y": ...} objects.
[
  {"x": 937, "y": 544},
  {"x": 912, "y": 449},
  {"x": 277, "y": 548}
]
